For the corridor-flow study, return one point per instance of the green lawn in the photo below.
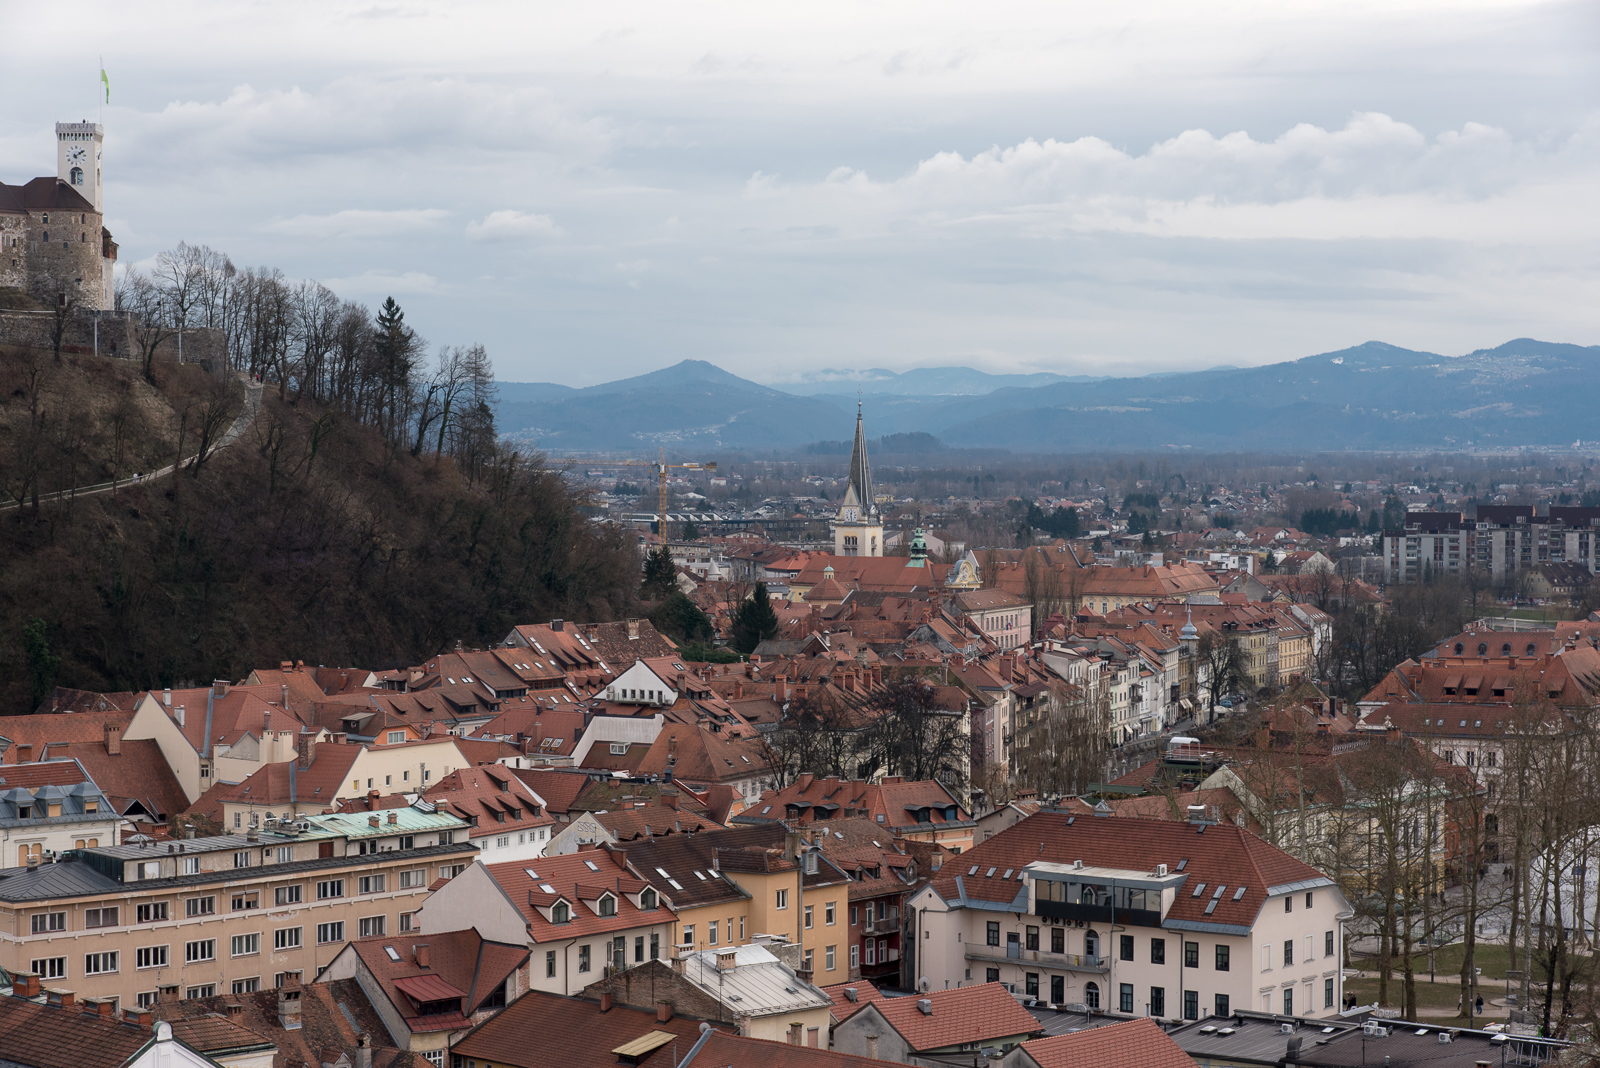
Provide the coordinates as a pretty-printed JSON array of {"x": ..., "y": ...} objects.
[
  {"x": 1552, "y": 613},
  {"x": 1432, "y": 998}
]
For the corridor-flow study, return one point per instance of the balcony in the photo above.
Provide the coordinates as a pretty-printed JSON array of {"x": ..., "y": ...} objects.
[
  {"x": 889, "y": 924},
  {"x": 1063, "y": 910},
  {"x": 1061, "y": 962}
]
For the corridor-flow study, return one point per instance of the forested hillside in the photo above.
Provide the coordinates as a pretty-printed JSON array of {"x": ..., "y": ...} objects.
[{"x": 370, "y": 519}]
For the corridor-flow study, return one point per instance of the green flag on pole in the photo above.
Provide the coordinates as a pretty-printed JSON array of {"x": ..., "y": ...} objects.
[{"x": 107, "y": 83}]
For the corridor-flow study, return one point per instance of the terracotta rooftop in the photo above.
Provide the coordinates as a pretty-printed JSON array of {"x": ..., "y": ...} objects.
[
  {"x": 1132, "y": 1044},
  {"x": 961, "y": 1015}
]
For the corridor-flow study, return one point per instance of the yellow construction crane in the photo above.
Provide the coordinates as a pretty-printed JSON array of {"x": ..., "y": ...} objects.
[{"x": 661, "y": 466}]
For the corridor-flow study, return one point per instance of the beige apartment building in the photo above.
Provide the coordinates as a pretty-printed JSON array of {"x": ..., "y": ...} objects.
[{"x": 228, "y": 914}]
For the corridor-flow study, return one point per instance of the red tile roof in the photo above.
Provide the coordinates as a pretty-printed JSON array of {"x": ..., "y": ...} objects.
[
  {"x": 964, "y": 1014},
  {"x": 572, "y": 1033},
  {"x": 485, "y": 794},
  {"x": 44, "y": 1036},
  {"x": 843, "y": 1007},
  {"x": 1133, "y": 1044},
  {"x": 572, "y": 879},
  {"x": 558, "y": 788},
  {"x": 826, "y": 798},
  {"x": 1222, "y": 856},
  {"x": 463, "y": 968}
]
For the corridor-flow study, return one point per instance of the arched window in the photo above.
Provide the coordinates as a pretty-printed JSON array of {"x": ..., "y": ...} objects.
[
  {"x": 77, "y": 176},
  {"x": 1505, "y": 649},
  {"x": 1532, "y": 649},
  {"x": 1483, "y": 648},
  {"x": 1091, "y": 995},
  {"x": 1460, "y": 648},
  {"x": 1091, "y": 943}
]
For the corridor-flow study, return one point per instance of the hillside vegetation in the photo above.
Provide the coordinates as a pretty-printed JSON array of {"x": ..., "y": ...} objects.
[{"x": 319, "y": 535}]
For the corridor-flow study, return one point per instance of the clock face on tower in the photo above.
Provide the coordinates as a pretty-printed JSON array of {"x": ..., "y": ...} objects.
[{"x": 75, "y": 154}]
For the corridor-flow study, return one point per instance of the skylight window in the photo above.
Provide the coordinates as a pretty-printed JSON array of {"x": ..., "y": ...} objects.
[
  {"x": 663, "y": 873},
  {"x": 1237, "y": 894},
  {"x": 1199, "y": 889},
  {"x": 546, "y": 888},
  {"x": 1220, "y": 888},
  {"x": 390, "y": 951},
  {"x": 591, "y": 865},
  {"x": 1007, "y": 875},
  {"x": 1182, "y": 864},
  {"x": 531, "y": 873},
  {"x": 970, "y": 871},
  {"x": 699, "y": 875},
  {"x": 989, "y": 874},
  {"x": 675, "y": 884}
]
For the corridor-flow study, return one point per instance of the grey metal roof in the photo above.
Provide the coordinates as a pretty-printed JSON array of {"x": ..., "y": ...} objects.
[
  {"x": 758, "y": 985},
  {"x": 214, "y": 844},
  {"x": 1303, "y": 884},
  {"x": 1254, "y": 1037},
  {"x": 41, "y": 884},
  {"x": 1206, "y": 928}
]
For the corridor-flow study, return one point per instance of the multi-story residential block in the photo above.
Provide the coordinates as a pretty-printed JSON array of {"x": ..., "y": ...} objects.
[
  {"x": 1002, "y": 616},
  {"x": 49, "y": 808},
  {"x": 1136, "y": 918},
  {"x": 1499, "y": 539},
  {"x": 580, "y": 916},
  {"x": 232, "y": 913}
]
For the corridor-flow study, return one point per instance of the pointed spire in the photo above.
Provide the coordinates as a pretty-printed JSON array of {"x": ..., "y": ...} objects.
[{"x": 860, "y": 473}]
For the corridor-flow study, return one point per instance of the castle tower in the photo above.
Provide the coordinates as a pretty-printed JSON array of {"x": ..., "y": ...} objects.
[
  {"x": 858, "y": 529},
  {"x": 78, "y": 147}
]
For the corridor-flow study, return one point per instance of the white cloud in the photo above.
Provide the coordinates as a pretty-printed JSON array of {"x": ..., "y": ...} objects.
[
  {"x": 361, "y": 222},
  {"x": 376, "y": 283},
  {"x": 509, "y": 225}
]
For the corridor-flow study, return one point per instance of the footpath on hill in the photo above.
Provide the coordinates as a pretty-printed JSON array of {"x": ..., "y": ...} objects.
[{"x": 241, "y": 423}]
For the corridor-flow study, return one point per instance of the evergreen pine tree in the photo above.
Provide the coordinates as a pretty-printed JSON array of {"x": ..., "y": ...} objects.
[
  {"x": 660, "y": 575},
  {"x": 754, "y": 621}
]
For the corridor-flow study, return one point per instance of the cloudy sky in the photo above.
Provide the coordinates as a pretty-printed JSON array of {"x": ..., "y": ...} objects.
[{"x": 595, "y": 190}]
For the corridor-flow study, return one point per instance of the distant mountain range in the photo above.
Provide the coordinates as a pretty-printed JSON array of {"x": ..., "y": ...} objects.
[{"x": 1372, "y": 396}]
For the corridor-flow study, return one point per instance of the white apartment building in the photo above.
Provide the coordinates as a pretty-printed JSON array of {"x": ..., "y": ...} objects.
[{"x": 1135, "y": 917}]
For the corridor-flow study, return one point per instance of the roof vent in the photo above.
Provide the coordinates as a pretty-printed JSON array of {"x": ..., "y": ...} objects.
[
  {"x": 1077, "y": 865},
  {"x": 925, "y": 1006}
]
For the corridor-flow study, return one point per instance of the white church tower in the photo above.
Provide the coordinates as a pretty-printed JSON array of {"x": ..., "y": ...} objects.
[
  {"x": 78, "y": 146},
  {"x": 858, "y": 529}
]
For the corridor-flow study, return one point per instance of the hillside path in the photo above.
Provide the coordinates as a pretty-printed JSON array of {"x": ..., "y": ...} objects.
[{"x": 241, "y": 423}]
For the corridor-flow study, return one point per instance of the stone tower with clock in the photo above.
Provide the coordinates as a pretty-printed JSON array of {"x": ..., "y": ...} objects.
[
  {"x": 53, "y": 244},
  {"x": 78, "y": 147},
  {"x": 858, "y": 528}
]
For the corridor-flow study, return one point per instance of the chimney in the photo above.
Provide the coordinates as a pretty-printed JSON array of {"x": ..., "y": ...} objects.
[
  {"x": 289, "y": 1004},
  {"x": 605, "y": 1001},
  {"x": 24, "y": 752},
  {"x": 669, "y": 797},
  {"x": 283, "y": 695},
  {"x": 633, "y": 629},
  {"x": 24, "y": 985},
  {"x": 726, "y": 960},
  {"x": 219, "y": 688},
  {"x": 394, "y": 818},
  {"x": 178, "y": 715},
  {"x": 663, "y": 1011},
  {"x": 307, "y": 745},
  {"x": 166, "y": 697},
  {"x": 925, "y": 1006},
  {"x": 138, "y": 1018},
  {"x": 373, "y": 821},
  {"x": 850, "y": 993},
  {"x": 113, "y": 739},
  {"x": 61, "y": 999},
  {"x": 1197, "y": 813},
  {"x": 105, "y": 1008},
  {"x": 363, "y": 1050},
  {"x": 557, "y": 624}
]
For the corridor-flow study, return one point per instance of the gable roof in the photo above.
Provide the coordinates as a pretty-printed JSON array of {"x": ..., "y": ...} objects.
[
  {"x": 578, "y": 878},
  {"x": 573, "y": 1033},
  {"x": 1218, "y": 855},
  {"x": 332, "y": 1016},
  {"x": 896, "y": 801},
  {"x": 1130, "y": 1044},
  {"x": 844, "y": 1006},
  {"x": 960, "y": 1015},
  {"x": 461, "y": 965},
  {"x": 50, "y": 1036},
  {"x": 43, "y": 194}
]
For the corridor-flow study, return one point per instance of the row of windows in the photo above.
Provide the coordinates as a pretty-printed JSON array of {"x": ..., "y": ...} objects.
[
  {"x": 240, "y": 901},
  {"x": 1288, "y": 950},
  {"x": 1155, "y": 1002},
  {"x": 205, "y": 949},
  {"x": 617, "y": 948}
]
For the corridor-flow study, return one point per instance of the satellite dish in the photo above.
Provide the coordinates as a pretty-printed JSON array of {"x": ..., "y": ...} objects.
[{"x": 923, "y": 984}]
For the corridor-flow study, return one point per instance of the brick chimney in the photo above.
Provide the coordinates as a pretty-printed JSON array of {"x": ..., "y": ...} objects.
[
  {"x": 60, "y": 998},
  {"x": 24, "y": 985},
  {"x": 663, "y": 1011},
  {"x": 113, "y": 739},
  {"x": 219, "y": 688},
  {"x": 373, "y": 821},
  {"x": 139, "y": 1018},
  {"x": 420, "y": 952},
  {"x": 24, "y": 752},
  {"x": 605, "y": 1001},
  {"x": 669, "y": 797},
  {"x": 307, "y": 745},
  {"x": 105, "y": 1008}
]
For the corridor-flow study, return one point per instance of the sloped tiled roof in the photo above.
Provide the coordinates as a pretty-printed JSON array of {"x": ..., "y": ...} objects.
[
  {"x": 1131, "y": 1044},
  {"x": 461, "y": 964},
  {"x": 843, "y": 1007},
  {"x": 558, "y": 788},
  {"x": 1220, "y": 855},
  {"x": 572, "y": 878},
  {"x": 964, "y": 1014},
  {"x": 44, "y": 1036},
  {"x": 332, "y": 1015}
]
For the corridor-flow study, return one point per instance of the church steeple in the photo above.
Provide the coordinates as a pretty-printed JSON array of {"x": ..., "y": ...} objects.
[
  {"x": 857, "y": 530},
  {"x": 860, "y": 472}
]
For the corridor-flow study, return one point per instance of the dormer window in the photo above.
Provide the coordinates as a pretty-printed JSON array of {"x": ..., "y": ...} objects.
[
  {"x": 647, "y": 900},
  {"x": 560, "y": 913},
  {"x": 608, "y": 906}
]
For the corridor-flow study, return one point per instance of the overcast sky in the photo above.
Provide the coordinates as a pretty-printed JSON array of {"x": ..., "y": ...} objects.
[{"x": 597, "y": 190}]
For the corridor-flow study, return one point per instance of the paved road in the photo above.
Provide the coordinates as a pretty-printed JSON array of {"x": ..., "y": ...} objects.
[{"x": 247, "y": 416}]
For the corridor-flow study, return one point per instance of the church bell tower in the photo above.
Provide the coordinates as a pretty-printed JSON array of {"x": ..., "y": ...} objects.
[{"x": 858, "y": 528}]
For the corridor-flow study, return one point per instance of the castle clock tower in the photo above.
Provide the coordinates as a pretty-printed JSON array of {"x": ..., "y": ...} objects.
[
  {"x": 858, "y": 529},
  {"x": 78, "y": 147}
]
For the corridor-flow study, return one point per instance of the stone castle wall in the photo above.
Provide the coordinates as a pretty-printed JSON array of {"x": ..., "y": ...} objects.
[{"x": 117, "y": 339}]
